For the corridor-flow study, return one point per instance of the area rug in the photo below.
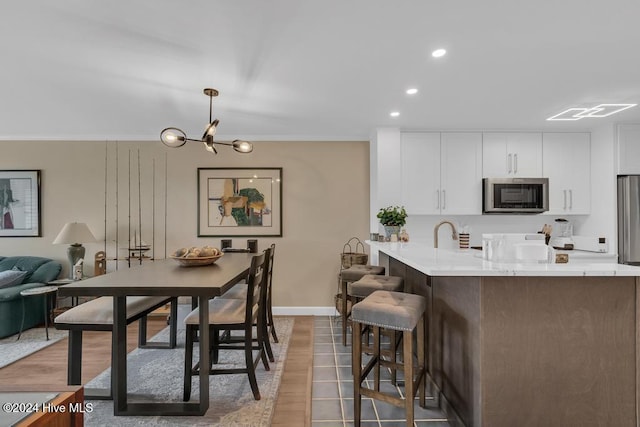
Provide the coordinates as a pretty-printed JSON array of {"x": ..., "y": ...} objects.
[
  {"x": 30, "y": 341},
  {"x": 157, "y": 375}
]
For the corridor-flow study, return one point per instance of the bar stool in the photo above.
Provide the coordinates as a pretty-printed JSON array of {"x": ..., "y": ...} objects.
[
  {"x": 397, "y": 311},
  {"x": 349, "y": 275},
  {"x": 368, "y": 284}
]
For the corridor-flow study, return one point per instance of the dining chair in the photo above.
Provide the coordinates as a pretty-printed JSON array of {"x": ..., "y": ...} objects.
[
  {"x": 233, "y": 315},
  {"x": 269, "y": 305},
  {"x": 239, "y": 291}
]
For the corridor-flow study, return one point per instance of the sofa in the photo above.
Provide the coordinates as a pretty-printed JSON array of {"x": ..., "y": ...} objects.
[{"x": 37, "y": 271}]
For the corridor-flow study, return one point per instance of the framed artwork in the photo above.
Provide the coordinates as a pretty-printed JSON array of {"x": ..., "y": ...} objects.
[
  {"x": 240, "y": 202},
  {"x": 20, "y": 203}
]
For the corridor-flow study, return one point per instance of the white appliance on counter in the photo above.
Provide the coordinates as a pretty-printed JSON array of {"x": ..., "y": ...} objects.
[
  {"x": 515, "y": 247},
  {"x": 591, "y": 244},
  {"x": 562, "y": 235}
]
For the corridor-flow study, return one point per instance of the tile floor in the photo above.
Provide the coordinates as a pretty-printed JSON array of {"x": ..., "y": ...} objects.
[{"x": 332, "y": 404}]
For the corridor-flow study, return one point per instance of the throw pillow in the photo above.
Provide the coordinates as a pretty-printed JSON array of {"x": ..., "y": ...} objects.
[{"x": 10, "y": 278}]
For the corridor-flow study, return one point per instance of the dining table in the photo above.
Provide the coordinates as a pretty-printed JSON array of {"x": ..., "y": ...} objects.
[{"x": 161, "y": 277}]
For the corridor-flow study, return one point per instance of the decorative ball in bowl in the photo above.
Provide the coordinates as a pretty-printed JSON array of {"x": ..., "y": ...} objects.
[{"x": 194, "y": 256}]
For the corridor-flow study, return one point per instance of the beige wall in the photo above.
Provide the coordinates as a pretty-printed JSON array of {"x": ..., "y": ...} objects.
[{"x": 325, "y": 202}]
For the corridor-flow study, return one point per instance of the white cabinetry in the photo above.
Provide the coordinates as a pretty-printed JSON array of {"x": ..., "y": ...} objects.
[
  {"x": 628, "y": 148},
  {"x": 421, "y": 173},
  {"x": 442, "y": 173},
  {"x": 567, "y": 164},
  {"x": 461, "y": 173},
  {"x": 512, "y": 154}
]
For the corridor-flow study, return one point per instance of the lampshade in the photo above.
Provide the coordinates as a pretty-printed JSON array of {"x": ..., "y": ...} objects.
[{"x": 74, "y": 232}]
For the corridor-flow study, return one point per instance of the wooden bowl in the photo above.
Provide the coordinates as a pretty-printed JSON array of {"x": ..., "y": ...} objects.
[{"x": 196, "y": 261}]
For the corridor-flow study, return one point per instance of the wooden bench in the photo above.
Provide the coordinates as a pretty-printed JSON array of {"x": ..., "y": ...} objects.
[{"x": 97, "y": 315}]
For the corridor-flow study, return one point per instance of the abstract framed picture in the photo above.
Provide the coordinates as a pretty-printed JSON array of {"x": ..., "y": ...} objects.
[
  {"x": 240, "y": 202},
  {"x": 20, "y": 203}
]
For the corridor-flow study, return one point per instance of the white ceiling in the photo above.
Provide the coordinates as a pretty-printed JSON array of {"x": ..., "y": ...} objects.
[{"x": 304, "y": 69}]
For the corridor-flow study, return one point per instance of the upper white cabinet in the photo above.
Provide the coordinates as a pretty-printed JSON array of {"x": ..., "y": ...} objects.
[
  {"x": 512, "y": 154},
  {"x": 420, "y": 157},
  {"x": 442, "y": 173},
  {"x": 628, "y": 149},
  {"x": 461, "y": 173},
  {"x": 567, "y": 164}
]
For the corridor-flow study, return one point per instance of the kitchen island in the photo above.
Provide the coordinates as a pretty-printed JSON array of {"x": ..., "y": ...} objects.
[{"x": 525, "y": 344}]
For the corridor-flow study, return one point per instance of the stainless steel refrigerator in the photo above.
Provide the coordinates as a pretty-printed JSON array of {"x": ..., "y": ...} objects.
[{"x": 629, "y": 219}]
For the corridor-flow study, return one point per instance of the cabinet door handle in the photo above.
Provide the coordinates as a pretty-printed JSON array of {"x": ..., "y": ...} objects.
[
  {"x": 564, "y": 192},
  {"x": 515, "y": 163},
  {"x": 509, "y": 163},
  {"x": 437, "y": 199},
  {"x": 570, "y": 199},
  {"x": 444, "y": 199}
]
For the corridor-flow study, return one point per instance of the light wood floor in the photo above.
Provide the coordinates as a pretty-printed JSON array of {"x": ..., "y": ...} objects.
[
  {"x": 293, "y": 407},
  {"x": 48, "y": 367}
]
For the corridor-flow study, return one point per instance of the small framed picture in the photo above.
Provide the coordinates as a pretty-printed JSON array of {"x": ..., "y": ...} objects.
[
  {"x": 240, "y": 202},
  {"x": 20, "y": 214}
]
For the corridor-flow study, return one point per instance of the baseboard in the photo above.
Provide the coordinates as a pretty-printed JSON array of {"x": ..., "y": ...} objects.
[
  {"x": 305, "y": 311},
  {"x": 450, "y": 413}
]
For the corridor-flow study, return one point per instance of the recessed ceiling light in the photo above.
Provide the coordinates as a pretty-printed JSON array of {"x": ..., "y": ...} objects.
[
  {"x": 412, "y": 91},
  {"x": 394, "y": 113},
  {"x": 438, "y": 53}
]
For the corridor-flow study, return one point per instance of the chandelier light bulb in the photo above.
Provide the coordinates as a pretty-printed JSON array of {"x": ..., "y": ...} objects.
[
  {"x": 211, "y": 129},
  {"x": 439, "y": 53},
  {"x": 242, "y": 146},
  {"x": 173, "y": 137},
  {"x": 208, "y": 145}
]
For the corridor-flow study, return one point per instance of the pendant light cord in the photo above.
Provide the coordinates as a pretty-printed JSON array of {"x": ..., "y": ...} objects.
[{"x": 210, "y": 108}]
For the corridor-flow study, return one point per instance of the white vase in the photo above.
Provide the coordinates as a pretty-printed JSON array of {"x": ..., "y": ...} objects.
[{"x": 391, "y": 229}]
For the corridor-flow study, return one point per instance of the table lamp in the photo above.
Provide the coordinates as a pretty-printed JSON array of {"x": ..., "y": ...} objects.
[{"x": 74, "y": 234}]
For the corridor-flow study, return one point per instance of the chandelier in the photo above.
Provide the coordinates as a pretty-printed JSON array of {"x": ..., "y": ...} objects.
[{"x": 174, "y": 137}]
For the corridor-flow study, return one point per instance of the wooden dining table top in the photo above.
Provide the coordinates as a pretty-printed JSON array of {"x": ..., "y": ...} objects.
[{"x": 165, "y": 277}]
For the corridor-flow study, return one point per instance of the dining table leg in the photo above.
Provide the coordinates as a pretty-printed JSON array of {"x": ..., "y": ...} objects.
[
  {"x": 119, "y": 369},
  {"x": 205, "y": 364}
]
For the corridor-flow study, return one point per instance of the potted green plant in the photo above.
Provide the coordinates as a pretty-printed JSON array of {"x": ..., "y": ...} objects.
[{"x": 392, "y": 218}]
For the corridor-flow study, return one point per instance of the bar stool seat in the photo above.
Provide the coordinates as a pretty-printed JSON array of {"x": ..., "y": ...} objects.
[
  {"x": 355, "y": 272},
  {"x": 396, "y": 311},
  {"x": 370, "y": 283},
  {"x": 348, "y": 275},
  {"x": 392, "y": 310}
]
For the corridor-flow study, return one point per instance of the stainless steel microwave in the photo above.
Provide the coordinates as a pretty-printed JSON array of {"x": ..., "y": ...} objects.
[{"x": 515, "y": 195}]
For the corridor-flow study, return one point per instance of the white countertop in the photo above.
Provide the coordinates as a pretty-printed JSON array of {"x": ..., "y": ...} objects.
[{"x": 469, "y": 262}]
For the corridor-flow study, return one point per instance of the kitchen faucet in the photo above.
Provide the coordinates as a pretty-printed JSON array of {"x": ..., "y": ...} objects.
[{"x": 454, "y": 232}]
